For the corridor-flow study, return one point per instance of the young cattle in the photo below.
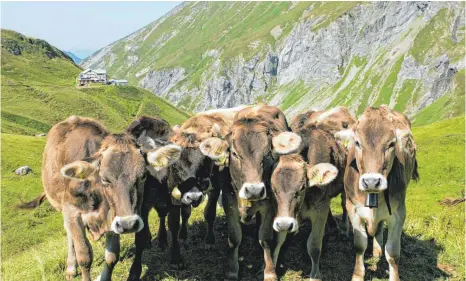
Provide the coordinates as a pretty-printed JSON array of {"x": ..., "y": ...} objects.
[
  {"x": 303, "y": 187},
  {"x": 257, "y": 135},
  {"x": 188, "y": 179},
  {"x": 331, "y": 121},
  {"x": 381, "y": 162},
  {"x": 96, "y": 180}
]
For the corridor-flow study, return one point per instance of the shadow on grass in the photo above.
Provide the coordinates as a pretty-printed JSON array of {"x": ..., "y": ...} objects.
[{"x": 418, "y": 258}]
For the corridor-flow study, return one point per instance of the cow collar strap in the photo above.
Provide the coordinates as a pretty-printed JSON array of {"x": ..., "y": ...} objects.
[{"x": 386, "y": 194}]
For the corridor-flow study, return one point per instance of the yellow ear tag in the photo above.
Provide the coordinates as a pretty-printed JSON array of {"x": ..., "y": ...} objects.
[
  {"x": 81, "y": 175},
  {"x": 346, "y": 143},
  {"x": 244, "y": 203},
  {"x": 221, "y": 161},
  {"x": 176, "y": 193}
]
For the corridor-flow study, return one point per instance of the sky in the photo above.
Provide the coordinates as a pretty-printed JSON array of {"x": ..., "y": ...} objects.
[{"x": 80, "y": 27}]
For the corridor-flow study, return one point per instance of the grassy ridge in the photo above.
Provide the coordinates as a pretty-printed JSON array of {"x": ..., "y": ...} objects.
[
  {"x": 39, "y": 91},
  {"x": 34, "y": 243}
]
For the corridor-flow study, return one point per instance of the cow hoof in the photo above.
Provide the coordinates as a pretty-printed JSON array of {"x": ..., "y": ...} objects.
[
  {"x": 357, "y": 278},
  {"x": 71, "y": 272},
  {"x": 176, "y": 266},
  {"x": 270, "y": 277},
  {"x": 231, "y": 276},
  {"x": 133, "y": 278}
]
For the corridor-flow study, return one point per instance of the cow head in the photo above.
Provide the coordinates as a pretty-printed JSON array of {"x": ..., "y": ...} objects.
[
  {"x": 378, "y": 138},
  {"x": 251, "y": 147},
  {"x": 190, "y": 175},
  {"x": 118, "y": 170},
  {"x": 290, "y": 180}
]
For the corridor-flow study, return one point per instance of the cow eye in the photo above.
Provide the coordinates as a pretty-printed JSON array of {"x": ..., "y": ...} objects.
[
  {"x": 358, "y": 145},
  {"x": 345, "y": 125},
  {"x": 105, "y": 181},
  {"x": 234, "y": 155},
  {"x": 391, "y": 145}
]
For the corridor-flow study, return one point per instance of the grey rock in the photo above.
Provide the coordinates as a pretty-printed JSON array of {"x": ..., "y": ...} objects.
[{"x": 24, "y": 170}]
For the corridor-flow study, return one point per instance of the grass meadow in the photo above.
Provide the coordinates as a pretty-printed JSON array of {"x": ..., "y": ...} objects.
[{"x": 34, "y": 242}]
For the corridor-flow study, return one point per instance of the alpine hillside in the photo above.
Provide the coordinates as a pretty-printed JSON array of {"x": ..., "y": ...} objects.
[
  {"x": 300, "y": 55},
  {"x": 39, "y": 90}
]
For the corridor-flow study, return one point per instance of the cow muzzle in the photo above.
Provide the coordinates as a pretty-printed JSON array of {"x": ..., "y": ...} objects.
[
  {"x": 286, "y": 224},
  {"x": 193, "y": 197},
  {"x": 127, "y": 224},
  {"x": 372, "y": 183},
  {"x": 253, "y": 191}
]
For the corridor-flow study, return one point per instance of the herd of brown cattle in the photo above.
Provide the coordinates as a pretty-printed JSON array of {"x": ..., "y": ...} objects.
[{"x": 262, "y": 167}]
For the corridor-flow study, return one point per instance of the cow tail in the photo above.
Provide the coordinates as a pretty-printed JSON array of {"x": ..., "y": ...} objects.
[
  {"x": 32, "y": 204},
  {"x": 415, "y": 175}
]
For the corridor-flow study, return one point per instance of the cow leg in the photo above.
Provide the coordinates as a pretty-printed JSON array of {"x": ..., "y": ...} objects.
[
  {"x": 280, "y": 239},
  {"x": 174, "y": 227},
  {"x": 378, "y": 241},
  {"x": 71, "y": 270},
  {"x": 230, "y": 206},
  {"x": 344, "y": 224},
  {"x": 360, "y": 242},
  {"x": 314, "y": 242},
  {"x": 81, "y": 245},
  {"x": 266, "y": 234},
  {"x": 141, "y": 243},
  {"x": 377, "y": 246},
  {"x": 162, "y": 233},
  {"x": 210, "y": 213},
  {"x": 185, "y": 214},
  {"x": 393, "y": 246},
  {"x": 112, "y": 255}
]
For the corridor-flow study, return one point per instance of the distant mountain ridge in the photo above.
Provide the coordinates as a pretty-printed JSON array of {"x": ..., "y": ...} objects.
[
  {"x": 75, "y": 58},
  {"x": 300, "y": 55}
]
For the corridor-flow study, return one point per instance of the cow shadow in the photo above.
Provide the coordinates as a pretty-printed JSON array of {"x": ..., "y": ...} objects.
[{"x": 418, "y": 258}]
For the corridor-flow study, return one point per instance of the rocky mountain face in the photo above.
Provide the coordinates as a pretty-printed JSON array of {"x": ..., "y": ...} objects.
[{"x": 300, "y": 55}]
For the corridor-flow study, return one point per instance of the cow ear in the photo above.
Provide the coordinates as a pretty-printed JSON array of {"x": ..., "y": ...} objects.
[
  {"x": 164, "y": 156},
  {"x": 405, "y": 146},
  {"x": 81, "y": 170},
  {"x": 216, "y": 149},
  {"x": 286, "y": 143},
  {"x": 345, "y": 138},
  {"x": 216, "y": 130},
  {"x": 321, "y": 174}
]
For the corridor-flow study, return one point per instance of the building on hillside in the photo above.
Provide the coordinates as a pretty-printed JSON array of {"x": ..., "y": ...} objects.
[
  {"x": 118, "y": 82},
  {"x": 92, "y": 75}
]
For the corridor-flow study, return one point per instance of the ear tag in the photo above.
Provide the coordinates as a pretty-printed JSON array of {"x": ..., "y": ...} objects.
[
  {"x": 176, "y": 193},
  {"x": 160, "y": 163},
  {"x": 244, "y": 203},
  {"x": 346, "y": 143},
  {"x": 81, "y": 175}
]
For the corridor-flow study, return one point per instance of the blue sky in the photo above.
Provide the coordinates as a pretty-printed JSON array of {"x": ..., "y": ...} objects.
[{"x": 70, "y": 25}]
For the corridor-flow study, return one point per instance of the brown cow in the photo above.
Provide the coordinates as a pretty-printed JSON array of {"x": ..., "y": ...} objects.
[
  {"x": 304, "y": 187},
  {"x": 257, "y": 135},
  {"x": 381, "y": 162},
  {"x": 331, "y": 121},
  {"x": 189, "y": 177},
  {"x": 96, "y": 180}
]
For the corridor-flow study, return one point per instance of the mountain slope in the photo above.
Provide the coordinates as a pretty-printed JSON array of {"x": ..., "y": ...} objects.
[
  {"x": 299, "y": 55},
  {"x": 38, "y": 90},
  {"x": 75, "y": 58}
]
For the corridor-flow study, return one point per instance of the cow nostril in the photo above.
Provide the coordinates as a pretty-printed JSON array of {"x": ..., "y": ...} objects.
[
  {"x": 136, "y": 224},
  {"x": 290, "y": 228},
  {"x": 377, "y": 183},
  {"x": 365, "y": 183},
  {"x": 262, "y": 192}
]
